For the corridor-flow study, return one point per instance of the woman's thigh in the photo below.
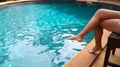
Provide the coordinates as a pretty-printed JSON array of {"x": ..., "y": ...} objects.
[
  {"x": 105, "y": 14},
  {"x": 111, "y": 25}
]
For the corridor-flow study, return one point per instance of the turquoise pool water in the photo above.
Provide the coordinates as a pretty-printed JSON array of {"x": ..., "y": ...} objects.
[{"x": 35, "y": 34}]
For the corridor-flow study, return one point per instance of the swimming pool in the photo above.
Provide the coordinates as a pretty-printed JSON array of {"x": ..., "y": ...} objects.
[{"x": 35, "y": 34}]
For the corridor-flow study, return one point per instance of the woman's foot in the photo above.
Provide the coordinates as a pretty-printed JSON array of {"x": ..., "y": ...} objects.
[
  {"x": 76, "y": 37},
  {"x": 94, "y": 49}
]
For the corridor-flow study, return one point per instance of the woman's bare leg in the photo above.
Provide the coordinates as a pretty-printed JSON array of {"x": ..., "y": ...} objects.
[
  {"x": 111, "y": 25},
  {"x": 96, "y": 21},
  {"x": 100, "y": 15},
  {"x": 98, "y": 32}
]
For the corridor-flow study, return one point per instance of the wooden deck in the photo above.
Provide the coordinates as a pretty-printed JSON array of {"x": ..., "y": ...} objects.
[{"x": 113, "y": 58}]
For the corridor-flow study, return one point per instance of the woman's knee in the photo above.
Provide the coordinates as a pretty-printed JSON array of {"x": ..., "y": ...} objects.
[
  {"x": 101, "y": 10},
  {"x": 100, "y": 13}
]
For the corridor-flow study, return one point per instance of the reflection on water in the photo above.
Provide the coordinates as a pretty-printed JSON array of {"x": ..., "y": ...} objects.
[{"x": 37, "y": 37}]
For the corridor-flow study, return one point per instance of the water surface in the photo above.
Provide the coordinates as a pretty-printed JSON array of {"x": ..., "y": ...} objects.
[{"x": 35, "y": 34}]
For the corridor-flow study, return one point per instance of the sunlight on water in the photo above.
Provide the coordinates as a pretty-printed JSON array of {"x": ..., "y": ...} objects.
[{"x": 35, "y": 35}]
